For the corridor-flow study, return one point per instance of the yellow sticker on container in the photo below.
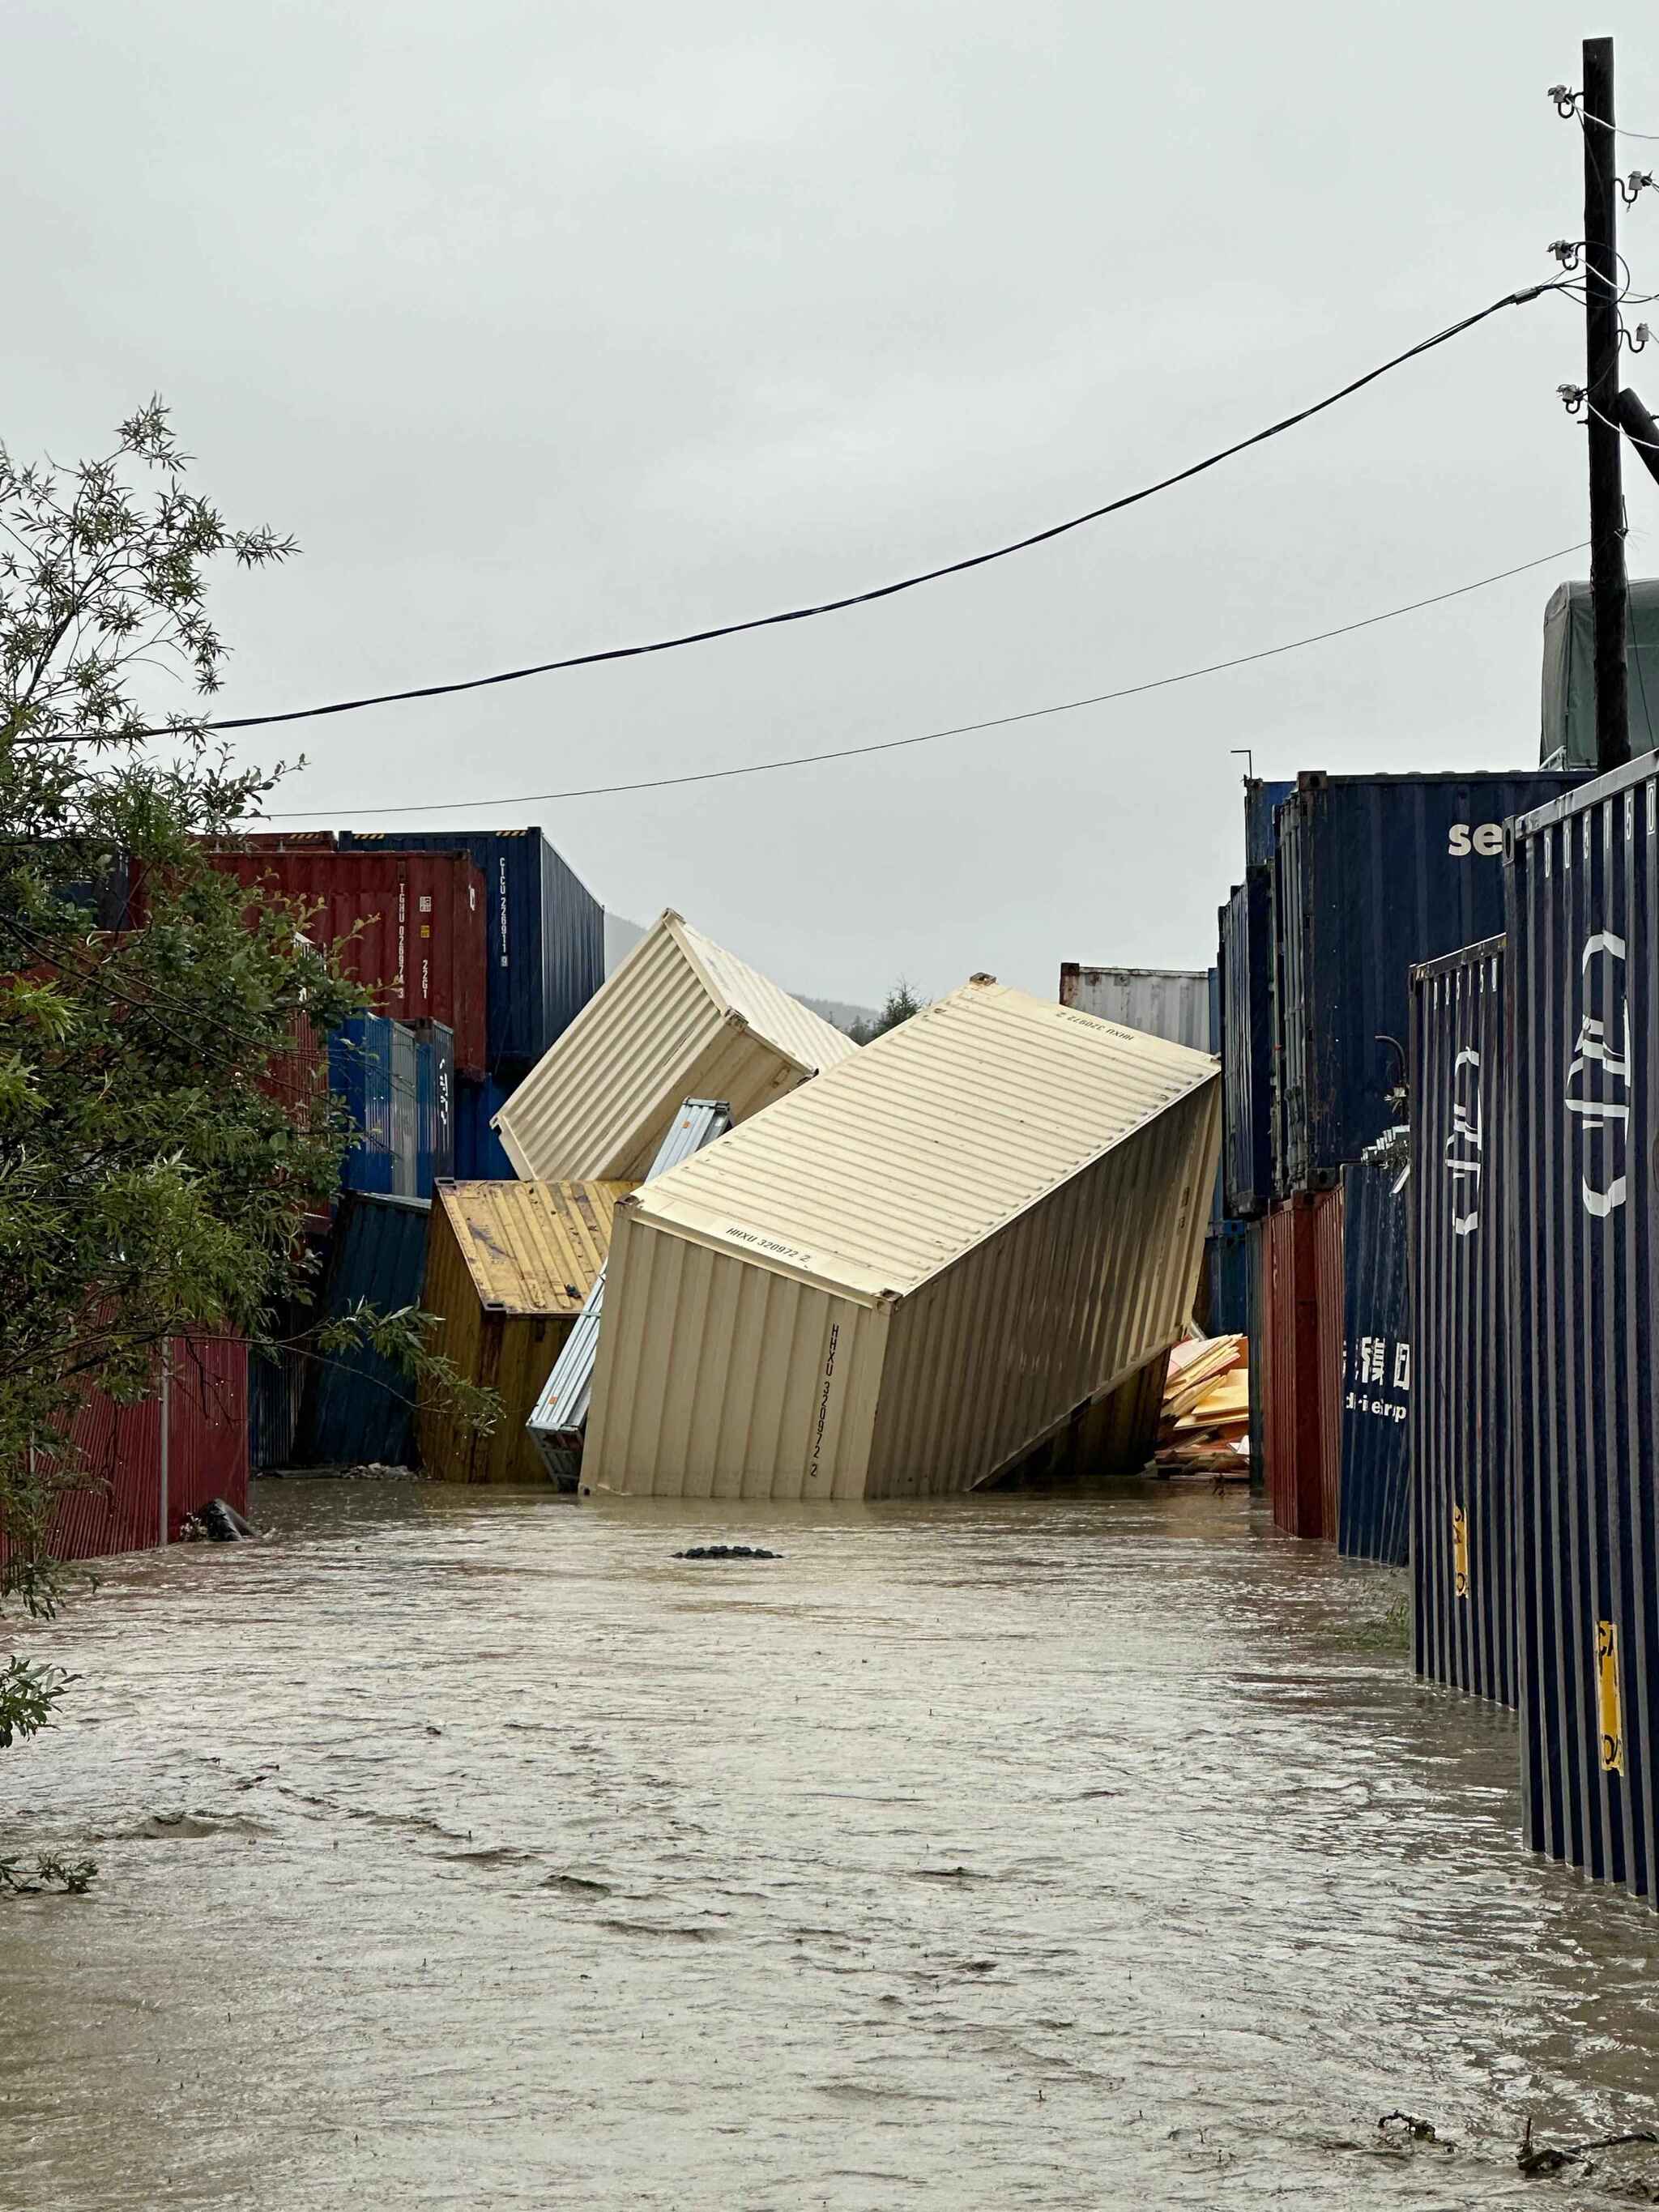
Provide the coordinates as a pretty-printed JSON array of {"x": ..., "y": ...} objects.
[
  {"x": 1459, "y": 1551},
  {"x": 1607, "y": 1683}
]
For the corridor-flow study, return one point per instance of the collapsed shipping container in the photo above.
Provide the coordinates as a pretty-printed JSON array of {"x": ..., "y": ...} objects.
[
  {"x": 1463, "y": 1526},
  {"x": 1374, "y": 1494},
  {"x": 410, "y": 927},
  {"x": 508, "y": 1265},
  {"x": 1583, "y": 1187},
  {"x": 1244, "y": 962},
  {"x": 1173, "y": 1003},
  {"x": 1374, "y": 873},
  {"x": 357, "y": 1407},
  {"x": 1300, "y": 1321},
  {"x": 681, "y": 1019},
  {"x": 545, "y": 934},
  {"x": 908, "y": 1275},
  {"x": 134, "y": 1473}
]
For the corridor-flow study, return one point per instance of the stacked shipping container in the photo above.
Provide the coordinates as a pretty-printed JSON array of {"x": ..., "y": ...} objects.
[{"x": 1374, "y": 1518}]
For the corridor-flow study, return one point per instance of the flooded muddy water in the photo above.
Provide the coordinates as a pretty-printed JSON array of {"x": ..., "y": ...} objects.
[{"x": 468, "y": 1849}]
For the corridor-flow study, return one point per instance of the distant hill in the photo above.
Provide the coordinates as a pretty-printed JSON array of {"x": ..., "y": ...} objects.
[{"x": 838, "y": 1011}]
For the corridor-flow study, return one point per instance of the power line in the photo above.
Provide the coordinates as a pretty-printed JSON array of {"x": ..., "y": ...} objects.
[
  {"x": 879, "y": 591},
  {"x": 932, "y": 737},
  {"x": 1617, "y": 129}
]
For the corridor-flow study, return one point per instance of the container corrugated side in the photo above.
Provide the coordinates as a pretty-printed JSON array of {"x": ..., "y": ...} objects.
[
  {"x": 1375, "y": 874},
  {"x": 1330, "y": 1273},
  {"x": 116, "y": 1453},
  {"x": 1374, "y": 1521},
  {"x": 410, "y": 927},
  {"x": 1115, "y": 1435},
  {"x": 1583, "y": 1037},
  {"x": 1166, "y": 1002},
  {"x": 1568, "y": 726},
  {"x": 545, "y": 943},
  {"x": 480, "y": 1156},
  {"x": 1229, "y": 1259},
  {"x": 911, "y": 1273},
  {"x": 1463, "y": 1523},
  {"x": 1262, "y": 801},
  {"x": 434, "y": 1105},
  {"x": 1247, "y": 1047},
  {"x": 1293, "y": 1427},
  {"x": 598, "y": 1103},
  {"x": 357, "y": 1408}
]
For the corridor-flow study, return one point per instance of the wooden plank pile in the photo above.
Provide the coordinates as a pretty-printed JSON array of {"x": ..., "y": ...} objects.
[{"x": 1205, "y": 1422}]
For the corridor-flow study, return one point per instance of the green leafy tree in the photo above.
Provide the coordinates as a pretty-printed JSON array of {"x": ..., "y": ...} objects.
[
  {"x": 164, "y": 1128},
  {"x": 901, "y": 1002}
]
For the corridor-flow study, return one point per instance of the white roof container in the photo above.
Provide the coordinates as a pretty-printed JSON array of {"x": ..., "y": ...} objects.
[
  {"x": 910, "y": 1273},
  {"x": 681, "y": 1017}
]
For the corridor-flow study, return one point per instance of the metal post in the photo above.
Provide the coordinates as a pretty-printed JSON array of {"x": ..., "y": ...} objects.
[
  {"x": 167, "y": 1430},
  {"x": 1602, "y": 285}
]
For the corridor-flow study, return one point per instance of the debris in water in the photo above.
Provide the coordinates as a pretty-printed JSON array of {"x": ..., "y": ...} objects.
[
  {"x": 727, "y": 1552},
  {"x": 215, "y": 1522},
  {"x": 1418, "y": 2130},
  {"x": 1547, "y": 2158}
]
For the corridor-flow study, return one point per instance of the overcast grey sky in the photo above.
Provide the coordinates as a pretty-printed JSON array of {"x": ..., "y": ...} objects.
[{"x": 547, "y": 328}]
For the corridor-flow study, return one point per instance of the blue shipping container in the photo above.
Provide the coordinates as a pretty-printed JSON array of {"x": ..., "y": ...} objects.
[
  {"x": 1229, "y": 1257},
  {"x": 1261, "y": 803},
  {"x": 1374, "y": 1508},
  {"x": 372, "y": 1071},
  {"x": 357, "y": 1409},
  {"x": 435, "y": 1104},
  {"x": 480, "y": 1156},
  {"x": 1247, "y": 1048},
  {"x": 1463, "y": 1522},
  {"x": 1374, "y": 874},
  {"x": 545, "y": 934},
  {"x": 1584, "y": 1127}
]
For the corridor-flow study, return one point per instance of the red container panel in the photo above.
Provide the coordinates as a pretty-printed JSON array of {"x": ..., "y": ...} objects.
[
  {"x": 120, "y": 1447},
  {"x": 419, "y": 919},
  {"x": 1330, "y": 1294},
  {"x": 1300, "y": 1310}
]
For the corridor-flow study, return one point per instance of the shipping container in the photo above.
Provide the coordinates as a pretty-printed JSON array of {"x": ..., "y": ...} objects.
[
  {"x": 434, "y": 1105},
  {"x": 1374, "y": 1521},
  {"x": 908, "y": 1274},
  {"x": 275, "y": 1386},
  {"x": 1116, "y": 1435},
  {"x": 546, "y": 935},
  {"x": 371, "y": 1070},
  {"x": 1374, "y": 874},
  {"x": 1245, "y": 970},
  {"x": 681, "y": 1019},
  {"x": 1463, "y": 1523},
  {"x": 508, "y": 1267},
  {"x": 1301, "y": 1327},
  {"x": 1583, "y": 1120},
  {"x": 1173, "y": 1003},
  {"x": 410, "y": 927},
  {"x": 357, "y": 1408},
  {"x": 560, "y": 1413},
  {"x": 1255, "y": 1241},
  {"x": 1228, "y": 1257},
  {"x": 480, "y": 1154},
  {"x": 1567, "y": 735},
  {"x": 1262, "y": 804},
  {"x": 132, "y": 1487}
]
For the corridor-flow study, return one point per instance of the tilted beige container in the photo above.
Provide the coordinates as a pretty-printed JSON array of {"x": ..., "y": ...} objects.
[
  {"x": 680, "y": 1019},
  {"x": 912, "y": 1272}
]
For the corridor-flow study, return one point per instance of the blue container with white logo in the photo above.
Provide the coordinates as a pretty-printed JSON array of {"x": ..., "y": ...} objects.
[
  {"x": 1583, "y": 1250},
  {"x": 1373, "y": 874},
  {"x": 544, "y": 934},
  {"x": 435, "y": 1104},
  {"x": 1374, "y": 1508}
]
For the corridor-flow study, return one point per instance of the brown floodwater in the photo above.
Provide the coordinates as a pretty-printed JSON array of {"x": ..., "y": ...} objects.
[{"x": 468, "y": 1849}]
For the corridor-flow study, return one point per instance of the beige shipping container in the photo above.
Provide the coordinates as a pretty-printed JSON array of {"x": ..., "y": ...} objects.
[
  {"x": 680, "y": 1019},
  {"x": 912, "y": 1272}
]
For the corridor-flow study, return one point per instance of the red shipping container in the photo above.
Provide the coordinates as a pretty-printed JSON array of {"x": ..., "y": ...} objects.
[
  {"x": 421, "y": 949},
  {"x": 119, "y": 1449},
  {"x": 1330, "y": 1277},
  {"x": 1301, "y": 1362}
]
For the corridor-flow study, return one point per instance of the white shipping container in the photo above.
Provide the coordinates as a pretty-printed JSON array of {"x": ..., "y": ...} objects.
[
  {"x": 908, "y": 1274},
  {"x": 681, "y": 1017},
  {"x": 1165, "y": 1002}
]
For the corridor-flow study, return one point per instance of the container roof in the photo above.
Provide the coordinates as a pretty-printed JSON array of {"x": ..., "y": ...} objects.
[
  {"x": 806, "y": 1037},
  {"x": 914, "y": 1150},
  {"x": 532, "y": 1248}
]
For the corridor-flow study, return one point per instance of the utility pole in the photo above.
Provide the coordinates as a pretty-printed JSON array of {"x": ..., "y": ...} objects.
[{"x": 1602, "y": 286}]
